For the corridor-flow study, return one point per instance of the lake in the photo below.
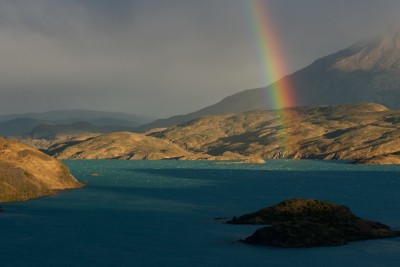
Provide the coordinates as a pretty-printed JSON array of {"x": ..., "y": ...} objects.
[{"x": 162, "y": 213}]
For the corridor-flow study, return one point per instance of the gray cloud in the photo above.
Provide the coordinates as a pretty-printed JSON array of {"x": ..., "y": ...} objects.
[{"x": 160, "y": 57}]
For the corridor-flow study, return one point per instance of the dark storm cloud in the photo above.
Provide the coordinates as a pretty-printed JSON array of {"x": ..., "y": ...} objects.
[
  {"x": 53, "y": 16},
  {"x": 160, "y": 57},
  {"x": 309, "y": 29}
]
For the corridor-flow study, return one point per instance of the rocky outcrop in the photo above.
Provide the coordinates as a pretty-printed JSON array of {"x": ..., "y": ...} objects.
[
  {"x": 27, "y": 173},
  {"x": 308, "y": 223},
  {"x": 381, "y": 160}
]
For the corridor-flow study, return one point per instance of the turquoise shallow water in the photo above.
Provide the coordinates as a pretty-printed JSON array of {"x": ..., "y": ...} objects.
[{"x": 160, "y": 213}]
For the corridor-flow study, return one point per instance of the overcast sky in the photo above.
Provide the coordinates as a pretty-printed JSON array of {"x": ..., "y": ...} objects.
[{"x": 161, "y": 57}]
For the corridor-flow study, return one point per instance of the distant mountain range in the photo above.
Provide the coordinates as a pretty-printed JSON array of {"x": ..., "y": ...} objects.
[
  {"x": 364, "y": 132},
  {"x": 68, "y": 120},
  {"x": 77, "y": 114},
  {"x": 19, "y": 126},
  {"x": 46, "y": 131},
  {"x": 368, "y": 71}
]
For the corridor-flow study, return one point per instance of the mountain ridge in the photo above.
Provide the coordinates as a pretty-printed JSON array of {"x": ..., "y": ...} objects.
[
  {"x": 366, "y": 133},
  {"x": 81, "y": 114},
  {"x": 345, "y": 132},
  {"x": 101, "y": 121},
  {"x": 367, "y": 71}
]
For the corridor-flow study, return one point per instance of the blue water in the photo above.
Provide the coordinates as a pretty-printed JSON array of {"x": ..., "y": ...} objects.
[{"x": 161, "y": 213}]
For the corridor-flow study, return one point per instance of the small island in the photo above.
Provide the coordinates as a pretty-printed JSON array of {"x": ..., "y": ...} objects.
[{"x": 301, "y": 222}]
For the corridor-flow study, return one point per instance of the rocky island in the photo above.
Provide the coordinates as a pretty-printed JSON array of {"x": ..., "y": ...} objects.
[
  {"x": 27, "y": 173},
  {"x": 308, "y": 223}
]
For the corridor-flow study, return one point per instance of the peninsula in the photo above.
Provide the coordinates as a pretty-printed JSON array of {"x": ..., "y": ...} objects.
[{"x": 27, "y": 173}]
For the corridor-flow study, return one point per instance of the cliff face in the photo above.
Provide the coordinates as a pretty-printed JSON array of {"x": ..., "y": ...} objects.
[{"x": 27, "y": 173}]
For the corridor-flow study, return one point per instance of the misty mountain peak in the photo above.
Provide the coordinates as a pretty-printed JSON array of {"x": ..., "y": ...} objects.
[
  {"x": 380, "y": 54},
  {"x": 368, "y": 71}
]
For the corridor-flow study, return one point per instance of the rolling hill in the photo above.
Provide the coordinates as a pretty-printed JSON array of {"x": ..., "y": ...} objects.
[
  {"x": 364, "y": 133},
  {"x": 27, "y": 173}
]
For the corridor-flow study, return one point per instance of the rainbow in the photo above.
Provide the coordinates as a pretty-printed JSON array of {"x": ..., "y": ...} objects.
[
  {"x": 271, "y": 56},
  {"x": 278, "y": 94}
]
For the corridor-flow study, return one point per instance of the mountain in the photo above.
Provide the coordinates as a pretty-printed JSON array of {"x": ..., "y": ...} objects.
[
  {"x": 27, "y": 173},
  {"x": 78, "y": 115},
  {"x": 19, "y": 126},
  {"x": 356, "y": 132},
  {"x": 365, "y": 133},
  {"x": 100, "y": 122},
  {"x": 368, "y": 71},
  {"x": 47, "y": 131}
]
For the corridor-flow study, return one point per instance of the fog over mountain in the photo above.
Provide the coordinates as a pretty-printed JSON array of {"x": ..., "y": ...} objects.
[
  {"x": 51, "y": 122},
  {"x": 367, "y": 71},
  {"x": 161, "y": 57}
]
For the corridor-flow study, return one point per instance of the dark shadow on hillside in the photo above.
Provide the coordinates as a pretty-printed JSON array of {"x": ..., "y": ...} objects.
[{"x": 52, "y": 152}]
